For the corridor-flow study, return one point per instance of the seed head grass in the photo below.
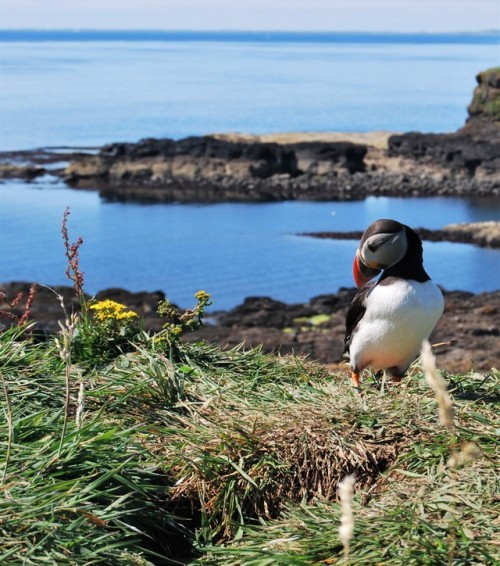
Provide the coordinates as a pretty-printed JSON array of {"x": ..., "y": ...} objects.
[
  {"x": 438, "y": 385},
  {"x": 346, "y": 528}
]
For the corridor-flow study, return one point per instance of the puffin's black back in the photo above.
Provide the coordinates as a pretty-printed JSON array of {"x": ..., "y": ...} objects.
[
  {"x": 354, "y": 314},
  {"x": 411, "y": 265}
]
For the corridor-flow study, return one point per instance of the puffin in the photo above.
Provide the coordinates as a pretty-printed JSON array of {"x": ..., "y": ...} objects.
[{"x": 388, "y": 319}]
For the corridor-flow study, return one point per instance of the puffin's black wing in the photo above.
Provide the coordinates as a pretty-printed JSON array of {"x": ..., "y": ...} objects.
[{"x": 355, "y": 313}]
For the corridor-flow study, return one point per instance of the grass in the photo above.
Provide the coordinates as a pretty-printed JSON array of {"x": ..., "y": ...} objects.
[
  {"x": 195, "y": 455},
  {"x": 97, "y": 497},
  {"x": 486, "y": 98}
]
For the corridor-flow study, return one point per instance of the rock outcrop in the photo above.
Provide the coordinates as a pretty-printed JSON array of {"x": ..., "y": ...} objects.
[
  {"x": 211, "y": 169},
  {"x": 30, "y": 164},
  {"x": 484, "y": 109},
  {"x": 458, "y": 155}
]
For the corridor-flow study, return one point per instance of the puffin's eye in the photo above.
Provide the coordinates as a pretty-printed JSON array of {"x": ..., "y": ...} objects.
[{"x": 372, "y": 247}]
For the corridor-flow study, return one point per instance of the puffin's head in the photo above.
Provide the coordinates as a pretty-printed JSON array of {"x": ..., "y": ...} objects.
[{"x": 383, "y": 244}]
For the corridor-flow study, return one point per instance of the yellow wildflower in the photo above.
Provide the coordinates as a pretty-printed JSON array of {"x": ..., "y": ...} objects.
[
  {"x": 111, "y": 310},
  {"x": 126, "y": 315},
  {"x": 202, "y": 296}
]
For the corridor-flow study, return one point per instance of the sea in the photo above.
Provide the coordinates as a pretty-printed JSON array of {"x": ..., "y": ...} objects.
[{"x": 83, "y": 89}]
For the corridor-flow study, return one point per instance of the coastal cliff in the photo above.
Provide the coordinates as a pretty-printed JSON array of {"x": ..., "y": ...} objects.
[
  {"x": 473, "y": 149},
  {"x": 305, "y": 166}
]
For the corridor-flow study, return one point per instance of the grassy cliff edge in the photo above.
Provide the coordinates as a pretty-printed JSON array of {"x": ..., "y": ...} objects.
[{"x": 194, "y": 455}]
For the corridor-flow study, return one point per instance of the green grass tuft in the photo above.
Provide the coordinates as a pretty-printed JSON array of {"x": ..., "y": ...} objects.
[{"x": 194, "y": 454}]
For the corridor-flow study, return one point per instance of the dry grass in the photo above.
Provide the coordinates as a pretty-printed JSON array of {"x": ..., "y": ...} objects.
[
  {"x": 243, "y": 446},
  {"x": 375, "y": 139},
  {"x": 419, "y": 511},
  {"x": 346, "y": 528}
]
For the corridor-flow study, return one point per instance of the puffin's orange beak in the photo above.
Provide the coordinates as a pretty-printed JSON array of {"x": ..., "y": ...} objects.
[{"x": 362, "y": 273}]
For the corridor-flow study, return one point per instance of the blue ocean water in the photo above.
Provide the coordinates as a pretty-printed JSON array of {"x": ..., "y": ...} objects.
[
  {"x": 91, "y": 88},
  {"x": 59, "y": 91},
  {"x": 230, "y": 250}
]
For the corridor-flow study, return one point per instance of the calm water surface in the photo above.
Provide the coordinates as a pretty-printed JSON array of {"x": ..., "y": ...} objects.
[
  {"x": 95, "y": 92},
  {"x": 230, "y": 250}
]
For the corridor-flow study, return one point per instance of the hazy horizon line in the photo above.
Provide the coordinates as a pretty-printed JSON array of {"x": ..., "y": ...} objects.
[{"x": 249, "y": 31}]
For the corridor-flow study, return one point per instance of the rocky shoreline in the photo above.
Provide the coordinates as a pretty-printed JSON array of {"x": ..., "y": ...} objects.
[
  {"x": 468, "y": 332},
  {"x": 214, "y": 169},
  {"x": 308, "y": 166},
  {"x": 482, "y": 234}
]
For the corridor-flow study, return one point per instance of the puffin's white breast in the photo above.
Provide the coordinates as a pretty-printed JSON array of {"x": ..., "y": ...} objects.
[{"x": 399, "y": 316}]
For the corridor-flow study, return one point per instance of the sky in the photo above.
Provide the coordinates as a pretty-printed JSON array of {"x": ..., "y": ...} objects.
[{"x": 277, "y": 15}]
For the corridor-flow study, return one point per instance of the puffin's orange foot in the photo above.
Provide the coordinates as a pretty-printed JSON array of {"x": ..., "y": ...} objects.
[{"x": 355, "y": 379}]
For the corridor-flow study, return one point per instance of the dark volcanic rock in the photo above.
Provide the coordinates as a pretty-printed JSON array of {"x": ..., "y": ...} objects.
[
  {"x": 214, "y": 170},
  {"x": 265, "y": 159},
  {"x": 460, "y": 153},
  {"x": 315, "y": 156},
  {"x": 263, "y": 311},
  {"x": 208, "y": 169},
  {"x": 482, "y": 234},
  {"x": 468, "y": 329}
]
